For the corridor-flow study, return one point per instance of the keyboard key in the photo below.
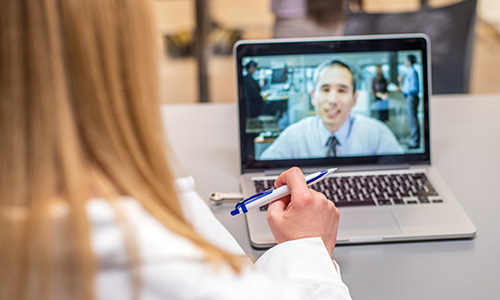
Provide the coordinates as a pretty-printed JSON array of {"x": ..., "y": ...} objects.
[
  {"x": 384, "y": 202},
  {"x": 398, "y": 201},
  {"x": 423, "y": 199},
  {"x": 424, "y": 193},
  {"x": 354, "y": 203},
  {"x": 264, "y": 207}
]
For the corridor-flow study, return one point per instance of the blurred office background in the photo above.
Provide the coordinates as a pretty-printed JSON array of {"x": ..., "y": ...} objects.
[{"x": 197, "y": 37}]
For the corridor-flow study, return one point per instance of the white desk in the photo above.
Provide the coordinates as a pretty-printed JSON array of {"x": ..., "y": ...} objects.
[{"x": 465, "y": 145}]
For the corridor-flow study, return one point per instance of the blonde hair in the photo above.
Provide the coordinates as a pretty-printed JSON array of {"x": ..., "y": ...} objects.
[{"x": 79, "y": 114}]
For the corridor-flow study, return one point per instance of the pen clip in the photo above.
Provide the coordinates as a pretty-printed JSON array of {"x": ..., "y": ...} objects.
[{"x": 253, "y": 198}]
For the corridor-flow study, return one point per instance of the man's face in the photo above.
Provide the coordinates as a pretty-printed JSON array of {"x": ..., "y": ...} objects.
[
  {"x": 252, "y": 69},
  {"x": 333, "y": 96}
]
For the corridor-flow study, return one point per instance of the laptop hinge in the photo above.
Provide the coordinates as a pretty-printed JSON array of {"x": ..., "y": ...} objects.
[
  {"x": 275, "y": 172},
  {"x": 359, "y": 168},
  {"x": 372, "y": 168}
]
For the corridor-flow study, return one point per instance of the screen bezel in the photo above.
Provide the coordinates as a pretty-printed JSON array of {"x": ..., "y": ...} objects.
[{"x": 332, "y": 45}]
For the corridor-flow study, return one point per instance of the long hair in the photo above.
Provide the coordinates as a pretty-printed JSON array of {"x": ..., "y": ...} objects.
[
  {"x": 327, "y": 12},
  {"x": 79, "y": 116}
]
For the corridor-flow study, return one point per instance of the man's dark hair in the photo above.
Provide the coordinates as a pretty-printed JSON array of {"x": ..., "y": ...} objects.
[
  {"x": 333, "y": 63},
  {"x": 412, "y": 58},
  {"x": 250, "y": 64}
]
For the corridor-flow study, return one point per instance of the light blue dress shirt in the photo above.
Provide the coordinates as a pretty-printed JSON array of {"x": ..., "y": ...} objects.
[
  {"x": 410, "y": 83},
  {"x": 358, "y": 136}
]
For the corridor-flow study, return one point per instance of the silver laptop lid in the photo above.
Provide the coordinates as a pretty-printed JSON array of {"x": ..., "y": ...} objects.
[{"x": 358, "y": 100}]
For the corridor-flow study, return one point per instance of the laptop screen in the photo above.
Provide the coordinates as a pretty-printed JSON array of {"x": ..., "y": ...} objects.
[{"x": 346, "y": 101}]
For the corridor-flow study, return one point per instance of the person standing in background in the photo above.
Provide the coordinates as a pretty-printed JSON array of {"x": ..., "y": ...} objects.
[
  {"x": 379, "y": 90},
  {"x": 253, "y": 99},
  {"x": 309, "y": 18},
  {"x": 410, "y": 90}
]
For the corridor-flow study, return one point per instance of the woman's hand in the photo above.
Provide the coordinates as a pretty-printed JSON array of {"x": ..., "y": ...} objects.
[{"x": 304, "y": 213}]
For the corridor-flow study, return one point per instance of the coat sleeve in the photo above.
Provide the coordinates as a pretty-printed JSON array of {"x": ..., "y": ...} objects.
[
  {"x": 304, "y": 262},
  {"x": 307, "y": 264},
  {"x": 171, "y": 267}
]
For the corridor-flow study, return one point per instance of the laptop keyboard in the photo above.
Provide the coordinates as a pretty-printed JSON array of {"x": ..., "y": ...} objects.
[{"x": 381, "y": 190}]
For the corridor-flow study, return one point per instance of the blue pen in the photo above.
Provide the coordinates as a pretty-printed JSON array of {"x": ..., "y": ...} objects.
[{"x": 269, "y": 196}]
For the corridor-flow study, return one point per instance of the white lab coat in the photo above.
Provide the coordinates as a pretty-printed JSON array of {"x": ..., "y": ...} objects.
[{"x": 173, "y": 268}]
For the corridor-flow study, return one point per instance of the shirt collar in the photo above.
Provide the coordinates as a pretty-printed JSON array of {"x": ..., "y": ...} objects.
[{"x": 341, "y": 134}]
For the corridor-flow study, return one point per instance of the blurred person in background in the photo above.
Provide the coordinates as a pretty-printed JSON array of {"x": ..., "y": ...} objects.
[
  {"x": 309, "y": 18},
  {"x": 380, "y": 93},
  {"x": 411, "y": 89},
  {"x": 253, "y": 99}
]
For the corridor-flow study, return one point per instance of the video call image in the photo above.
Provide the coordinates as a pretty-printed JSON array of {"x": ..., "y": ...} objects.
[{"x": 334, "y": 105}]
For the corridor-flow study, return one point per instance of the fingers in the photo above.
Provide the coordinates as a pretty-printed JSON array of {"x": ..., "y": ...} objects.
[
  {"x": 286, "y": 176},
  {"x": 296, "y": 182}
]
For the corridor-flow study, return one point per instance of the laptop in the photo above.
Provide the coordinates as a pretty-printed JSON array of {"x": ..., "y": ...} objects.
[{"x": 372, "y": 94}]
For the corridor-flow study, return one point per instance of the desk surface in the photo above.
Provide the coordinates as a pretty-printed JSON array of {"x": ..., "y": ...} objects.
[{"x": 465, "y": 143}]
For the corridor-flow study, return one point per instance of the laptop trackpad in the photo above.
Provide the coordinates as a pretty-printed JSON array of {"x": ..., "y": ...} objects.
[{"x": 360, "y": 222}]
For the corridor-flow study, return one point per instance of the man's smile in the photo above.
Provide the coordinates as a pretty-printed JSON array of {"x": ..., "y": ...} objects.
[{"x": 332, "y": 112}]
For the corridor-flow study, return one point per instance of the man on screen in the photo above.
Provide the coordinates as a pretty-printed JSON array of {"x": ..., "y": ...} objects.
[{"x": 333, "y": 131}]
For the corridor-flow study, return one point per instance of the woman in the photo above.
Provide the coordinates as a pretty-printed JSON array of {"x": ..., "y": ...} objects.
[
  {"x": 88, "y": 206},
  {"x": 380, "y": 94}
]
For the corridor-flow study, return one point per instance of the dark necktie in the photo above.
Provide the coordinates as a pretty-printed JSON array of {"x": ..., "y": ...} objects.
[{"x": 332, "y": 146}]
